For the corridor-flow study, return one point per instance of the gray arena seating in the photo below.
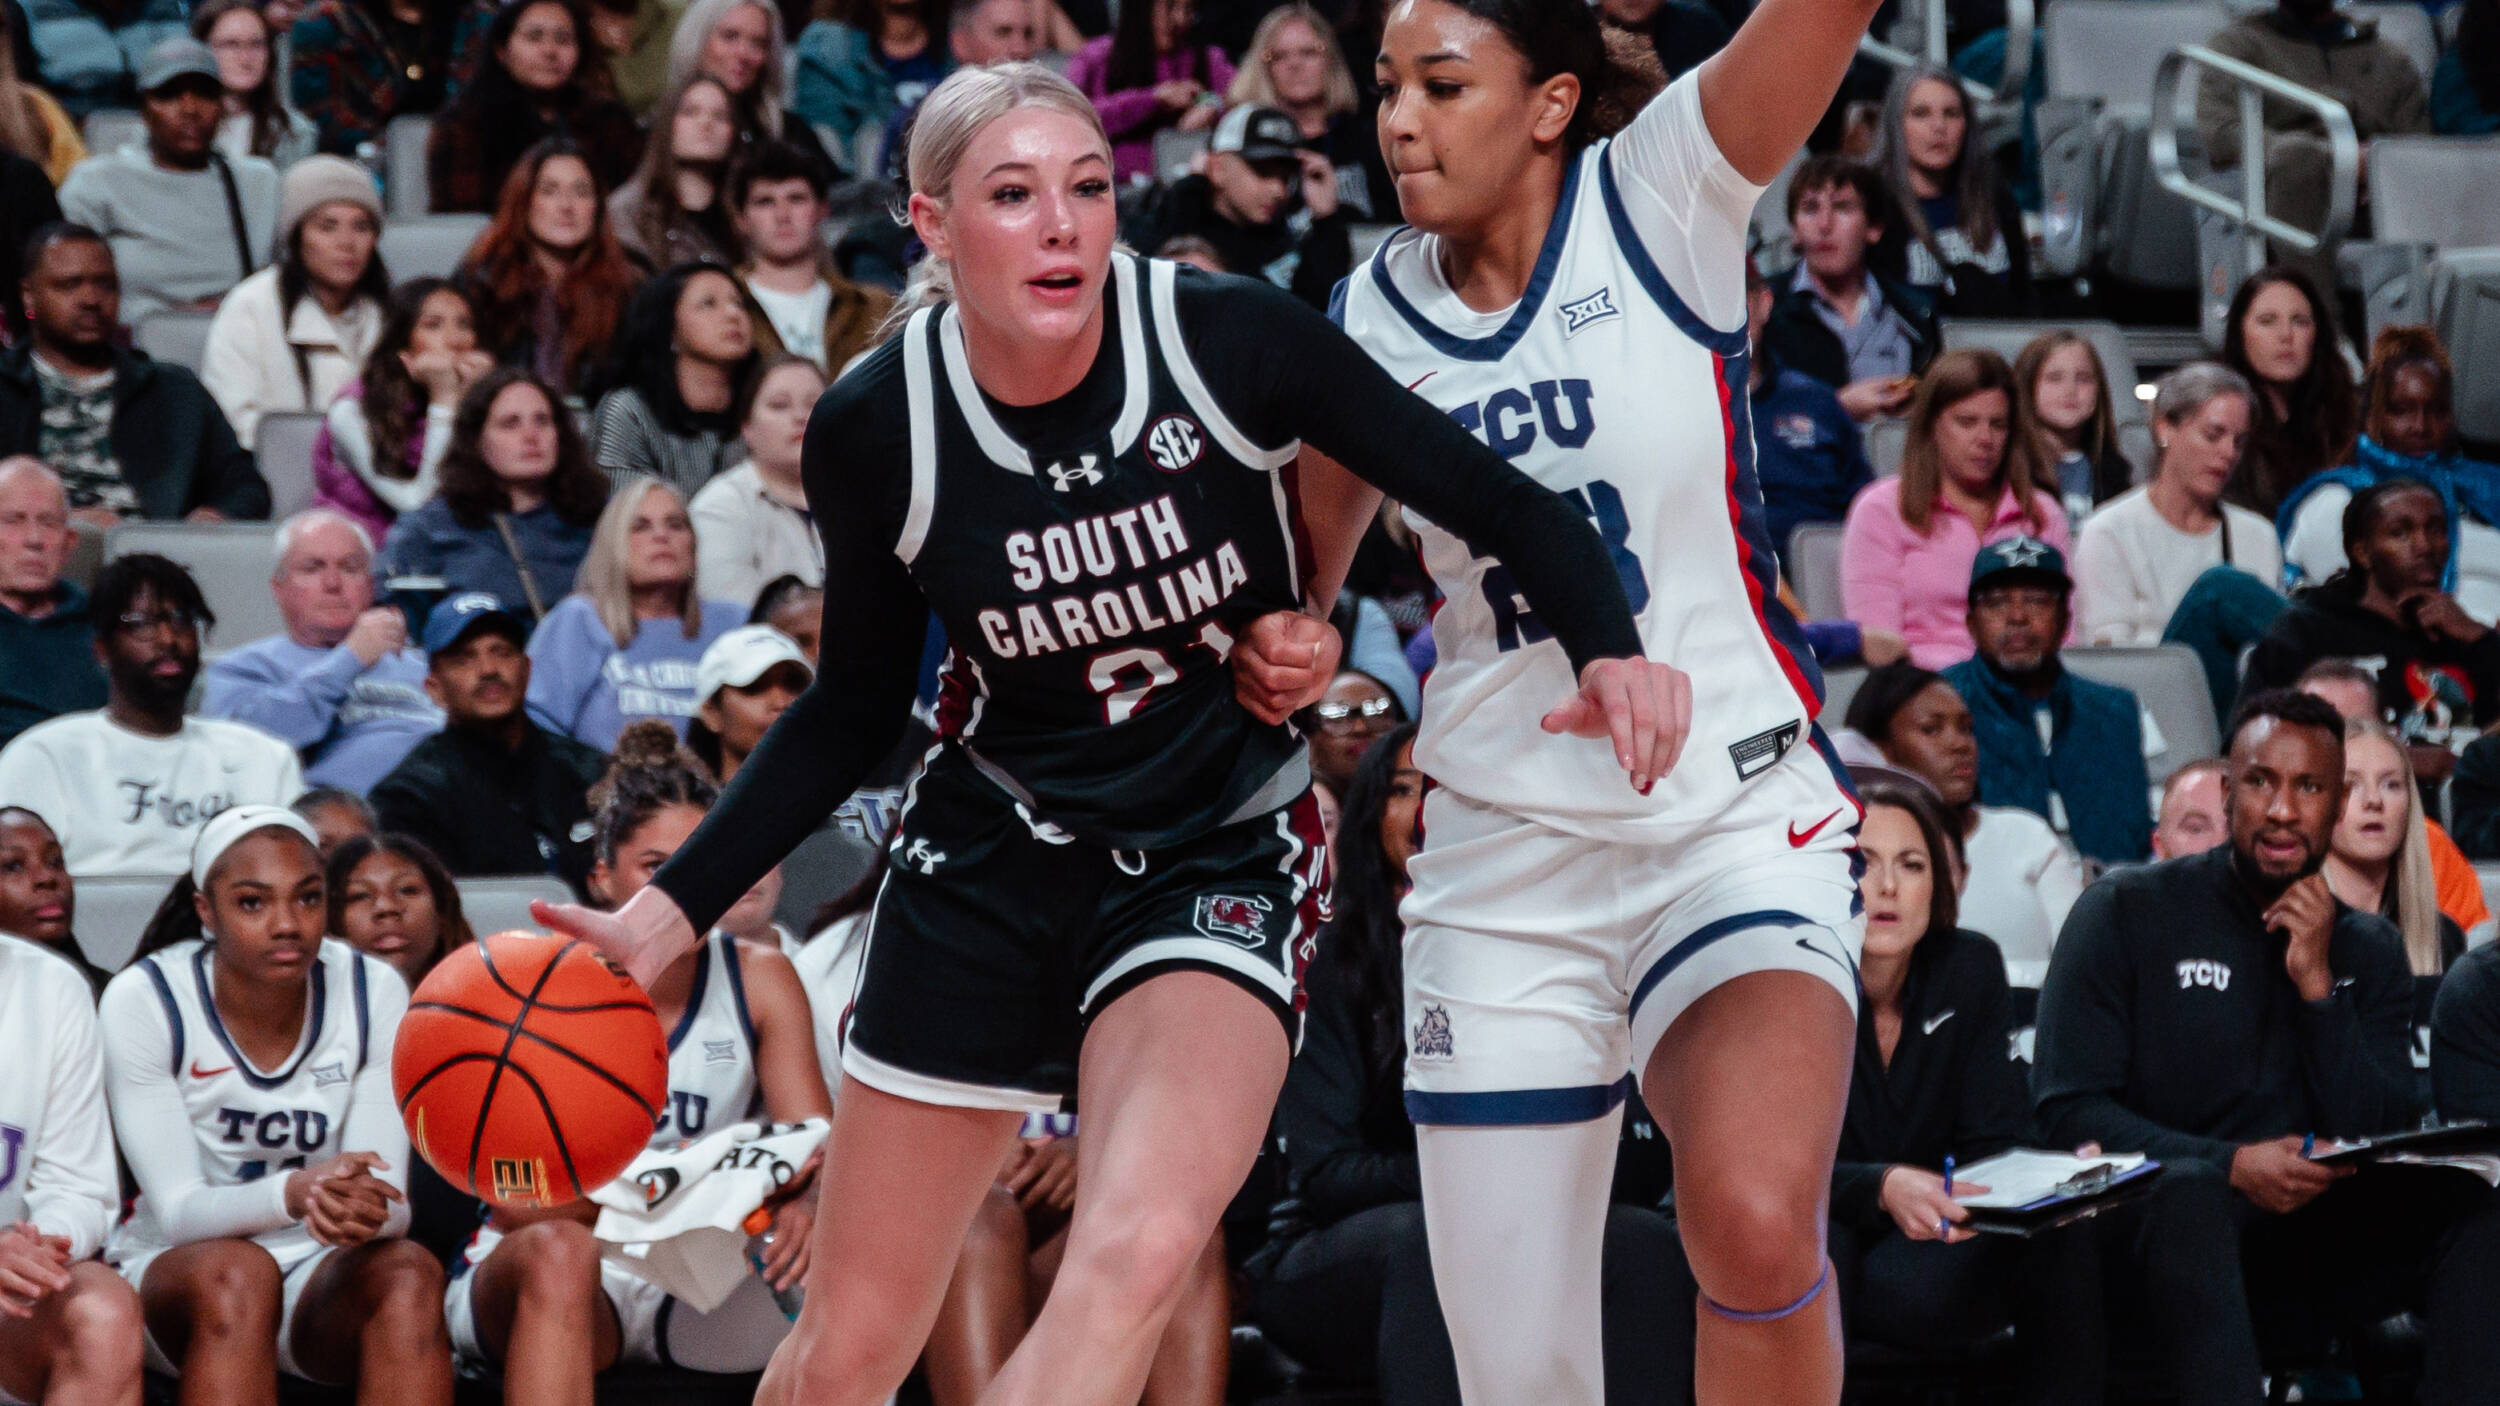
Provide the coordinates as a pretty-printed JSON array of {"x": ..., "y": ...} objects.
[
  {"x": 429, "y": 246},
  {"x": 1814, "y": 569},
  {"x": 112, "y": 912},
  {"x": 176, "y": 337},
  {"x": 2465, "y": 307},
  {"x": 109, "y": 129},
  {"x": 2104, "y": 212},
  {"x": 284, "y": 449},
  {"x": 494, "y": 905},
  {"x": 404, "y": 186},
  {"x": 2428, "y": 194},
  {"x": 230, "y": 560}
]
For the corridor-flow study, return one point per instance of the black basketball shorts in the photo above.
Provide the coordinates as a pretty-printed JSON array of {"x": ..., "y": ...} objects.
[{"x": 997, "y": 938}]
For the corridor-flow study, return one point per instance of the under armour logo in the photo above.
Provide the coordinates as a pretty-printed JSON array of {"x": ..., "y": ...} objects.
[
  {"x": 1589, "y": 311},
  {"x": 2023, "y": 551},
  {"x": 921, "y": 857},
  {"x": 1066, "y": 478}
]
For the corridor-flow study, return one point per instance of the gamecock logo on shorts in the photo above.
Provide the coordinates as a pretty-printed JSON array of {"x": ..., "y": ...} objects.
[{"x": 1234, "y": 919}]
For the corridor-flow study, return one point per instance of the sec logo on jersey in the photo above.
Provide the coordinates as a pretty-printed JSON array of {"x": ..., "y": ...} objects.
[{"x": 1175, "y": 443}]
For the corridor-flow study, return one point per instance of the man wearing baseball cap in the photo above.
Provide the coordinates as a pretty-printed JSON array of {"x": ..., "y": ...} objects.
[
  {"x": 2065, "y": 748},
  {"x": 185, "y": 221},
  {"x": 492, "y": 793},
  {"x": 1266, "y": 202}
]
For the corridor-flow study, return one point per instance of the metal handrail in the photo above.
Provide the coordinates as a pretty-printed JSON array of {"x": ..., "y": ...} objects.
[
  {"x": 2249, "y": 211},
  {"x": 2021, "y": 20}
]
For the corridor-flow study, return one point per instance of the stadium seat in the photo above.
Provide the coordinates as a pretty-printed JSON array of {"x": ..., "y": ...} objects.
[
  {"x": 431, "y": 247},
  {"x": 284, "y": 450},
  {"x": 112, "y": 912},
  {"x": 109, "y": 129},
  {"x": 1176, "y": 152},
  {"x": 1839, "y": 686},
  {"x": 2169, "y": 681},
  {"x": 85, "y": 554},
  {"x": 176, "y": 337},
  {"x": 2103, "y": 209},
  {"x": 404, "y": 187},
  {"x": 2465, "y": 308},
  {"x": 1367, "y": 239},
  {"x": 503, "y": 904},
  {"x": 2427, "y": 194},
  {"x": 2007, "y": 339},
  {"x": 1886, "y": 440},
  {"x": 1814, "y": 569},
  {"x": 2407, "y": 26},
  {"x": 230, "y": 560}
]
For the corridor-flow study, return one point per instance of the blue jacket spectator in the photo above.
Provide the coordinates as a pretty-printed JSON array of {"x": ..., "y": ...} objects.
[
  {"x": 2064, "y": 748},
  {"x": 47, "y": 637},
  {"x": 341, "y": 686},
  {"x": 1807, "y": 450},
  {"x": 2459, "y": 106}
]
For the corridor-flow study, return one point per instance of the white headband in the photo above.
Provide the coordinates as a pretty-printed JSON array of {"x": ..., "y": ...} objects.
[{"x": 235, "y": 822}]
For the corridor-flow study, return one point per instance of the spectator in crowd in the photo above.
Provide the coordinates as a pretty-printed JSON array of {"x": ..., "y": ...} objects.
[
  {"x": 531, "y": 87},
  {"x": 1959, "y": 236},
  {"x": 2440, "y": 682},
  {"x": 1245, "y": 203},
  {"x": 492, "y": 793},
  {"x": 2018, "y": 877},
  {"x": 1371, "y": 647},
  {"x": 128, "y": 786},
  {"x": 1355, "y": 711},
  {"x": 2068, "y": 408},
  {"x": 633, "y": 38},
  {"x": 802, "y": 303},
  {"x": 683, "y": 359},
  {"x": 2061, "y": 746},
  {"x": 38, "y": 900},
  {"x": 47, "y": 634},
  {"x": 751, "y": 524},
  {"x": 2409, "y": 430},
  {"x": 789, "y": 604},
  {"x": 257, "y": 121},
  {"x": 866, "y": 60},
  {"x": 518, "y": 500},
  {"x": 2217, "y": 1012},
  {"x": 384, "y": 436},
  {"x": 353, "y": 65},
  {"x": 89, "y": 49},
  {"x": 32, "y": 122},
  {"x": 2352, "y": 692},
  {"x": 2280, "y": 335},
  {"x": 2191, "y": 820},
  {"x": 2138, "y": 555},
  {"x": 625, "y": 645},
  {"x": 2315, "y": 44},
  {"x": 1683, "y": 33},
  {"x": 1345, "y": 1284},
  {"x": 746, "y": 678},
  {"x": 979, "y": 33},
  {"x": 1293, "y": 64},
  {"x": 186, "y": 222},
  {"x": 391, "y": 898},
  {"x": 1965, "y": 481},
  {"x": 1807, "y": 452},
  {"x": 674, "y": 209},
  {"x": 2465, "y": 85},
  {"x": 336, "y": 815},
  {"x": 2378, "y": 858},
  {"x": 547, "y": 279},
  {"x": 1149, "y": 74},
  {"x": 27, "y": 204},
  {"x": 340, "y": 685},
  {"x": 1839, "y": 321},
  {"x": 739, "y": 44},
  {"x": 130, "y": 437},
  {"x": 292, "y": 336}
]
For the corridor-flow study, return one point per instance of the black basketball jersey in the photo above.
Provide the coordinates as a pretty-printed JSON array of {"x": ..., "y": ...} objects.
[{"x": 1092, "y": 582}]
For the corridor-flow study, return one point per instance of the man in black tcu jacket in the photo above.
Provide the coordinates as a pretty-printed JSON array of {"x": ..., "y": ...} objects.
[{"x": 2220, "y": 1011}]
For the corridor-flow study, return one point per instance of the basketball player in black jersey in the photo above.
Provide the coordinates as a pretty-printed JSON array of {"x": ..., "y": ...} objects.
[{"x": 1106, "y": 878}]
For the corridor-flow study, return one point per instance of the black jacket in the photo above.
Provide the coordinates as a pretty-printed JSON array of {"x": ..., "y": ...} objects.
[
  {"x": 2465, "y": 1038},
  {"x": 1954, "y": 1085},
  {"x": 1309, "y": 264},
  {"x": 26, "y": 205},
  {"x": 487, "y": 811},
  {"x": 1974, "y": 291},
  {"x": 1798, "y": 336},
  {"x": 176, "y": 450},
  {"x": 2169, "y": 1026},
  {"x": 2427, "y": 688}
]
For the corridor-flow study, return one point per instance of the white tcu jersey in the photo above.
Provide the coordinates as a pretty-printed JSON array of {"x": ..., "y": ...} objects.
[
  {"x": 56, "y": 1145},
  {"x": 1604, "y": 385},
  {"x": 711, "y": 1050},
  {"x": 246, "y": 1124}
]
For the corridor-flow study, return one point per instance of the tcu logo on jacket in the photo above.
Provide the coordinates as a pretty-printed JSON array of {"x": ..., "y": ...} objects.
[{"x": 2204, "y": 973}]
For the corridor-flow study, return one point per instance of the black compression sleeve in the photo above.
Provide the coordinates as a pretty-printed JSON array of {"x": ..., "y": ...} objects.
[
  {"x": 1285, "y": 372},
  {"x": 852, "y": 716}
]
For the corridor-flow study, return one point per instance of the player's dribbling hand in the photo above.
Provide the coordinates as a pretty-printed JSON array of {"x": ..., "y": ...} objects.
[
  {"x": 643, "y": 937},
  {"x": 32, "y": 1265},
  {"x": 1283, "y": 663},
  {"x": 1645, "y": 706}
]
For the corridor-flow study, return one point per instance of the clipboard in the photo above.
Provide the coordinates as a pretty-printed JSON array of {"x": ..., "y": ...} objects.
[
  {"x": 2096, "y": 1185},
  {"x": 2469, "y": 1145}
]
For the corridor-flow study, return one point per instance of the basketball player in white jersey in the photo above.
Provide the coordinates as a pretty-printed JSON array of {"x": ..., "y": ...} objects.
[
  {"x": 532, "y": 1293},
  {"x": 69, "y": 1327},
  {"x": 1579, "y": 303},
  {"x": 267, "y": 1239}
]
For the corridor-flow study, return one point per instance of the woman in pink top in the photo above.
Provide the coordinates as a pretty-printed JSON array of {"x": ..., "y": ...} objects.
[
  {"x": 1965, "y": 481},
  {"x": 1149, "y": 74}
]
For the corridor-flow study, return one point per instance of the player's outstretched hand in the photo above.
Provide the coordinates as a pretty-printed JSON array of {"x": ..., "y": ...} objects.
[
  {"x": 1283, "y": 663},
  {"x": 1645, "y": 706},
  {"x": 643, "y": 937}
]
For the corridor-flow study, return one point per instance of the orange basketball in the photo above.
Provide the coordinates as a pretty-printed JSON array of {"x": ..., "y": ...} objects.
[{"x": 530, "y": 1069}]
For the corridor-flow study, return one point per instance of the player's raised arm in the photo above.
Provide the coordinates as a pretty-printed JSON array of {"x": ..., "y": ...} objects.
[{"x": 1764, "y": 92}]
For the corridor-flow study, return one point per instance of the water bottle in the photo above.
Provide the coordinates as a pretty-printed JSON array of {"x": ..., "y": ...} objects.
[{"x": 759, "y": 1228}]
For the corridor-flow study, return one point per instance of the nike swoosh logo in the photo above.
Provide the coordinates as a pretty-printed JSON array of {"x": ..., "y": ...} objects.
[
  {"x": 1838, "y": 961},
  {"x": 1799, "y": 840},
  {"x": 1928, "y": 1027},
  {"x": 199, "y": 1073}
]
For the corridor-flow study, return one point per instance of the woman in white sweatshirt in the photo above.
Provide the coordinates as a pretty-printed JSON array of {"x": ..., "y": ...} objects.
[{"x": 290, "y": 337}]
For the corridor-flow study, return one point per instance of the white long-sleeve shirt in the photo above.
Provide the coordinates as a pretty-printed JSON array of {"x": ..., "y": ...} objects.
[
  {"x": 56, "y": 1145},
  {"x": 2132, "y": 566},
  {"x": 124, "y": 803}
]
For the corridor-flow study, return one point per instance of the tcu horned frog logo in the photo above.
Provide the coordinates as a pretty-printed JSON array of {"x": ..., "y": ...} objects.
[
  {"x": 1174, "y": 443},
  {"x": 1432, "y": 1034}
]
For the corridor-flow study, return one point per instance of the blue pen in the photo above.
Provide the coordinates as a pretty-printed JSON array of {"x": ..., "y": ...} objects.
[
  {"x": 2308, "y": 1143},
  {"x": 1948, "y": 1174}
]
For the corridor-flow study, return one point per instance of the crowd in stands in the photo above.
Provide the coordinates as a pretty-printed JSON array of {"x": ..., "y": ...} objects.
[{"x": 552, "y": 524}]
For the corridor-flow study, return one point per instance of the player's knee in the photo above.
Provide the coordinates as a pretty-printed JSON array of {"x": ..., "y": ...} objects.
[
  {"x": 998, "y": 1228},
  {"x": 1755, "y": 1244},
  {"x": 1134, "y": 1267},
  {"x": 235, "y": 1293},
  {"x": 406, "y": 1286},
  {"x": 100, "y": 1325},
  {"x": 557, "y": 1260}
]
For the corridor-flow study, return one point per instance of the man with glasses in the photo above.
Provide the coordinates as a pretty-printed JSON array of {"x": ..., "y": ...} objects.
[
  {"x": 2063, "y": 747},
  {"x": 128, "y": 786},
  {"x": 1355, "y": 711}
]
